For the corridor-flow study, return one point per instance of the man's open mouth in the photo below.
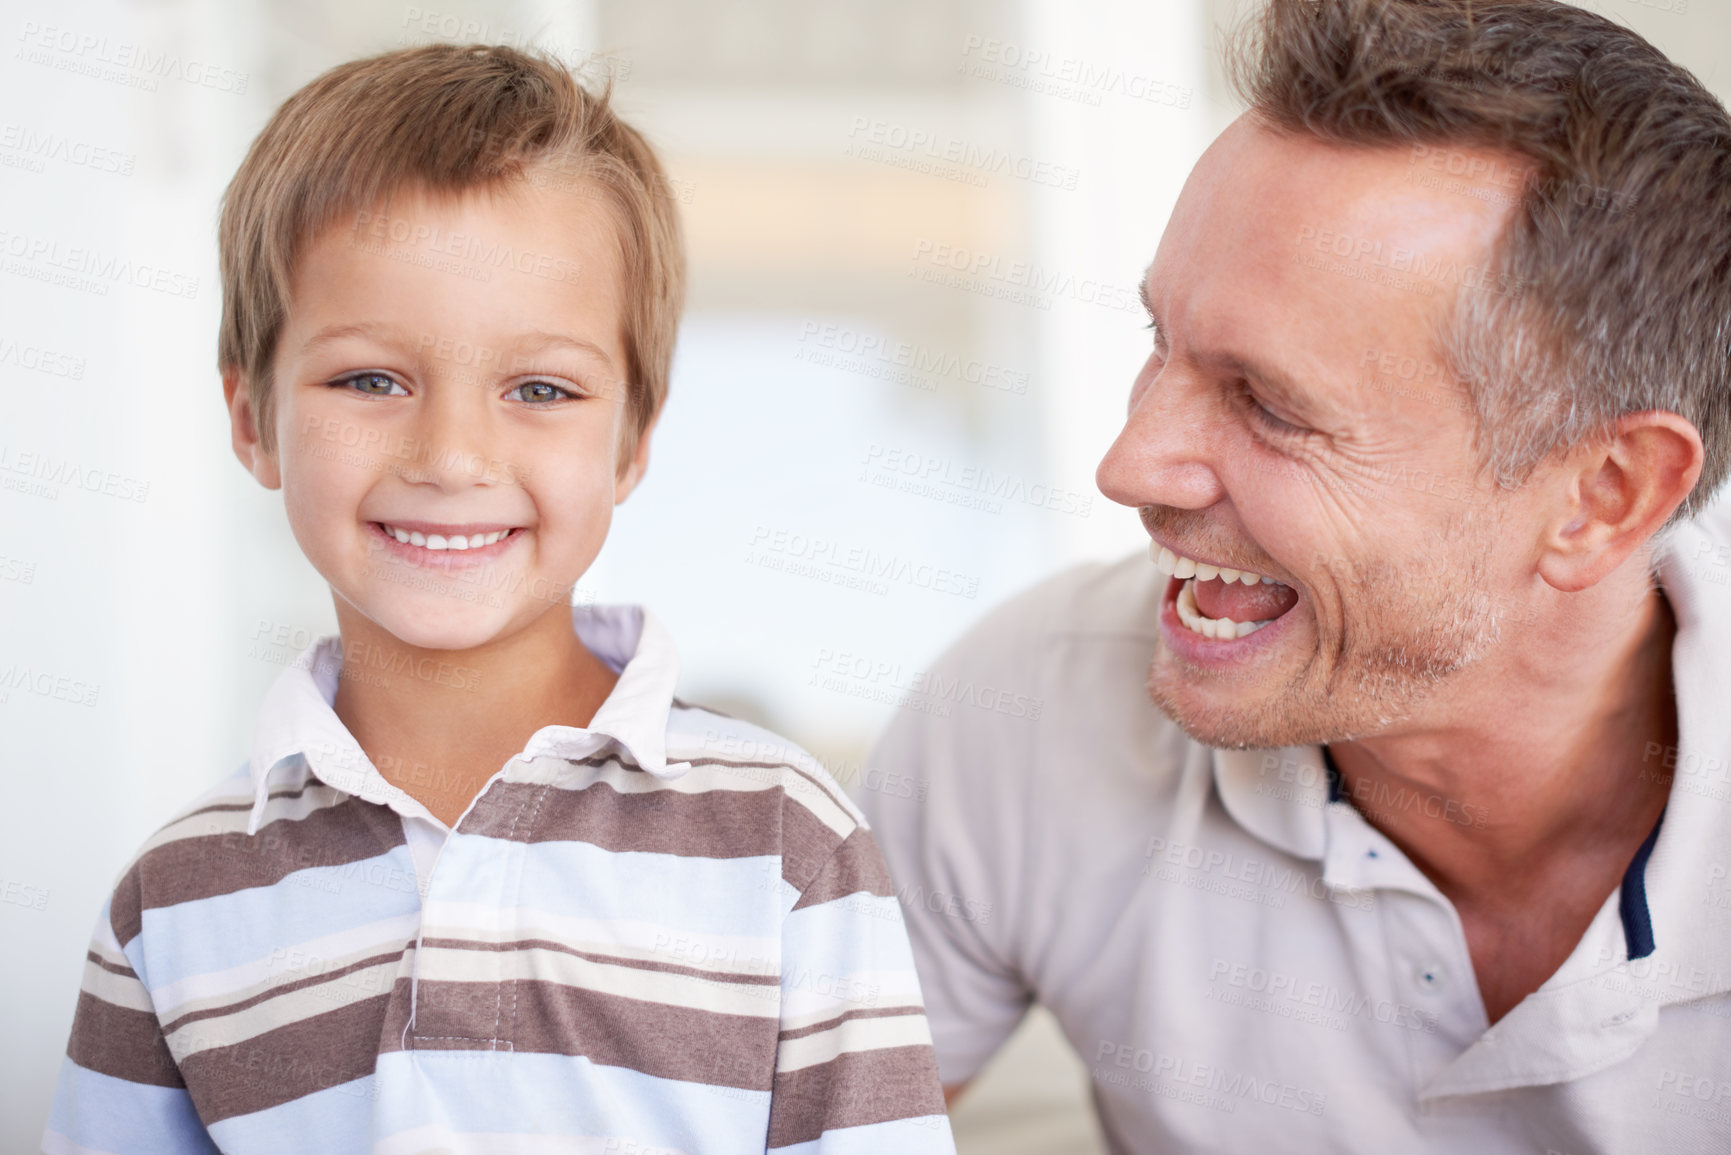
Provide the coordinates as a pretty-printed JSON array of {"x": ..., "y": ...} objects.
[{"x": 1222, "y": 603}]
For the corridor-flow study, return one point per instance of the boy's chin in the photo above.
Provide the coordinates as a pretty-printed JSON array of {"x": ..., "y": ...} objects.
[{"x": 441, "y": 627}]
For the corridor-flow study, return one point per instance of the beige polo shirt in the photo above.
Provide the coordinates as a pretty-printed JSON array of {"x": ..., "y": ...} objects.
[{"x": 1241, "y": 960}]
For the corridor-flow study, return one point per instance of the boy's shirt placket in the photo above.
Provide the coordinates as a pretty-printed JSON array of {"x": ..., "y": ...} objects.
[{"x": 459, "y": 995}]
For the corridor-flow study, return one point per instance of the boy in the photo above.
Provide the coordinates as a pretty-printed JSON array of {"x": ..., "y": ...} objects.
[{"x": 451, "y": 280}]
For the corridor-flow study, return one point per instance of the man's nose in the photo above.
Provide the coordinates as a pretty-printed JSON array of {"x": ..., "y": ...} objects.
[{"x": 1164, "y": 453}]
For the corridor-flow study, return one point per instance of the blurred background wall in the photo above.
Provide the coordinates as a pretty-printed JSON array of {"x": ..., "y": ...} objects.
[{"x": 915, "y": 231}]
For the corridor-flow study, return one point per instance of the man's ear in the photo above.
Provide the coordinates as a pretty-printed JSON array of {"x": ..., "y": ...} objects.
[
  {"x": 636, "y": 466},
  {"x": 243, "y": 428},
  {"x": 1620, "y": 490}
]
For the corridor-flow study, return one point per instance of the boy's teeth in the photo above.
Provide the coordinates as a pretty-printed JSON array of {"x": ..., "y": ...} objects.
[{"x": 440, "y": 542}]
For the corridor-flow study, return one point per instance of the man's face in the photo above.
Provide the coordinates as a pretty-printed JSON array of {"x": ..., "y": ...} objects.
[
  {"x": 450, "y": 372},
  {"x": 1293, "y": 421}
]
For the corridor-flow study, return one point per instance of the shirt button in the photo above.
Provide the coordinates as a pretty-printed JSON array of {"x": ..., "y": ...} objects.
[
  {"x": 1431, "y": 979},
  {"x": 1371, "y": 853}
]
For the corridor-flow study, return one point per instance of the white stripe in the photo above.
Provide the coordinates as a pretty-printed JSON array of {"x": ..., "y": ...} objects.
[
  {"x": 797, "y": 1012},
  {"x": 219, "y": 822},
  {"x": 120, "y": 990},
  {"x": 736, "y": 954},
  {"x": 107, "y": 947},
  {"x": 227, "y": 1030},
  {"x": 435, "y": 1137},
  {"x": 445, "y": 964},
  {"x": 698, "y": 780},
  {"x": 288, "y": 963},
  {"x": 853, "y": 1036},
  {"x": 704, "y": 778}
]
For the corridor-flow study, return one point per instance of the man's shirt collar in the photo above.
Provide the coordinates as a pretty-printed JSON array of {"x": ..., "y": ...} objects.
[
  {"x": 1283, "y": 796},
  {"x": 298, "y": 726}
]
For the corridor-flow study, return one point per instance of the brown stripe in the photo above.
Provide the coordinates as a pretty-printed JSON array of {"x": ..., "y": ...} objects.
[
  {"x": 112, "y": 968},
  {"x": 714, "y": 824},
  {"x": 845, "y": 1016},
  {"x": 768, "y": 980},
  {"x": 552, "y": 1018},
  {"x": 282, "y": 1065},
  {"x": 283, "y": 989},
  {"x": 834, "y": 795},
  {"x": 207, "y": 866},
  {"x": 806, "y": 844},
  {"x": 854, "y": 1089},
  {"x": 855, "y": 866},
  {"x": 120, "y": 1042},
  {"x": 217, "y": 807}
]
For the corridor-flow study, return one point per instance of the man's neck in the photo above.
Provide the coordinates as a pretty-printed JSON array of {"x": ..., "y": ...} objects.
[
  {"x": 439, "y": 724},
  {"x": 1531, "y": 806}
]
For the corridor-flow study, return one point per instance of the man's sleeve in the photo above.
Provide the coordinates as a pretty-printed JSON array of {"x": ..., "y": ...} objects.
[
  {"x": 120, "y": 1092},
  {"x": 855, "y": 1073},
  {"x": 945, "y": 792}
]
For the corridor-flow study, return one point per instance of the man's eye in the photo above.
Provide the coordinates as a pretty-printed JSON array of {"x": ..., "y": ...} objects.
[
  {"x": 1266, "y": 418},
  {"x": 374, "y": 385},
  {"x": 540, "y": 391}
]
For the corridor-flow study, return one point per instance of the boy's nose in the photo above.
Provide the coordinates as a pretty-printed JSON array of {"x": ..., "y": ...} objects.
[{"x": 454, "y": 433}]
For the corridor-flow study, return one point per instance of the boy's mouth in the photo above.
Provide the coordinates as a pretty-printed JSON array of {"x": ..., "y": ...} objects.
[{"x": 425, "y": 541}]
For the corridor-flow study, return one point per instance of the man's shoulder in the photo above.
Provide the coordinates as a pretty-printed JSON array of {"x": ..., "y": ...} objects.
[
  {"x": 1106, "y": 601},
  {"x": 1057, "y": 672}
]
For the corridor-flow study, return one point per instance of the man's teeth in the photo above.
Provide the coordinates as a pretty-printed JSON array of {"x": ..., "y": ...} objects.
[
  {"x": 1193, "y": 571},
  {"x": 438, "y": 541},
  {"x": 1210, "y": 627},
  {"x": 1182, "y": 567}
]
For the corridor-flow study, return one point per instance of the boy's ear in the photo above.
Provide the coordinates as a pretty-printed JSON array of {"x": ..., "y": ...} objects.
[
  {"x": 243, "y": 427},
  {"x": 636, "y": 467}
]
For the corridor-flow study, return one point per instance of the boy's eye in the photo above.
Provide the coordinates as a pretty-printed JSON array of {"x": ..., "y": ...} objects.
[
  {"x": 540, "y": 391},
  {"x": 374, "y": 385}
]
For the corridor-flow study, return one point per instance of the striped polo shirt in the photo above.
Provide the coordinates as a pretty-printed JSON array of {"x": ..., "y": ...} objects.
[{"x": 667, "y": 932}]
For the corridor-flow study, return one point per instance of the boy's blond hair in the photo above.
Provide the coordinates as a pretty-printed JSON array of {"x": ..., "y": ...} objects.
[{"x": 445, "y": 118}]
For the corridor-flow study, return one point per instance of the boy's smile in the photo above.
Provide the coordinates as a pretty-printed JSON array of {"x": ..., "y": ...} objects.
[{"x": 450, "y": 410}]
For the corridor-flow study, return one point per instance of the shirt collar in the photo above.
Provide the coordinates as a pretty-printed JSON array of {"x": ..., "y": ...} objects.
[
  {"x": 1284, "y": 796},
  {"x": 298, "y": 727}
]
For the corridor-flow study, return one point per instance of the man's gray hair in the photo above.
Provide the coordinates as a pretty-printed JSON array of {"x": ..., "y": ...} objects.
[{"x": 1609, "y": 292}]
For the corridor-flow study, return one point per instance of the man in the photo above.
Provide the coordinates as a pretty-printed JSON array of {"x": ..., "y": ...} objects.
[{"x": 1396, "y": 820}]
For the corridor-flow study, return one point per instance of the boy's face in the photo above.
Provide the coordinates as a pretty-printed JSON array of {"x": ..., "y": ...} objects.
[{"x": 451, "y": 370}]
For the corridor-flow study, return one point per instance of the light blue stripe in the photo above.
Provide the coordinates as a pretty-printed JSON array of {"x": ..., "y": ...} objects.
[
  {"x": 492, "y": 1092},
  {"x": 857, "y": 932},
  {"x": 739, "y": 896},
  {"x": 335, "y": 1121},
  {"x": 213, "y": 934},
  {"x": 107, "y": 1114},
  {"x": 929, "y": 1135}
]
